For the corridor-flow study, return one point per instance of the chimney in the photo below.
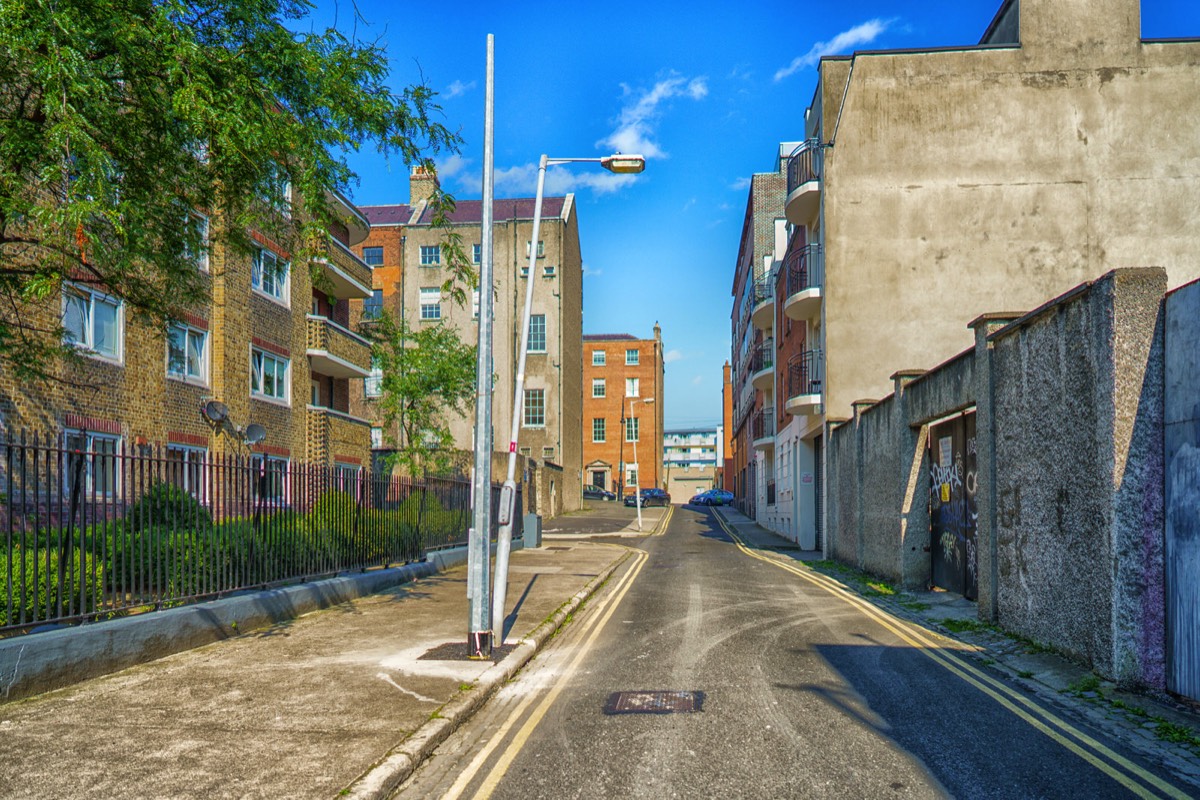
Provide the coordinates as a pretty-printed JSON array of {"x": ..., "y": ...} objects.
[{"x": 421, "y": 185}]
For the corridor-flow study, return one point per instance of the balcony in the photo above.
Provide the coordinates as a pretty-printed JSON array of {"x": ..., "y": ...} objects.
[
  {"x": 762, "y": 429},
  {"x": 804, "y": 383},
  {"x": 762, "y": 304},
  {"x": 762, "y": 366},
  {"x": 334, "y": 434},
  {"x": 343, "y": 274},
  {"x": 805, "y": 282},
  {"x": 335, "y": 351},
  {"x": 804, "y": 183}
]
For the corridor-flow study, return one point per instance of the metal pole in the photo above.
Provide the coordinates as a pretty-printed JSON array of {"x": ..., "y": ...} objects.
[
  {"x": 480, "y": 637},
  {"x": 637, "y": 485},
  {"x": 509, "y": 495}
]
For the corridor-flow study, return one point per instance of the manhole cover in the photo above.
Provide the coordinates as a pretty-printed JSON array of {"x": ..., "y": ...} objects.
[
  {"x": 457, "y": 651},
  {"x": 654, "y": 702}
]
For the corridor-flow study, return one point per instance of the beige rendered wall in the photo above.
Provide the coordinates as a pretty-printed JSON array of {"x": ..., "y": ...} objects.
[{"x": 975, "y": 181}]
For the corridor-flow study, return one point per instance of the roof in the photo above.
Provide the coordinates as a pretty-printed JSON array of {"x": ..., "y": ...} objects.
[
  {"x": 466, "y": 211},
  {"x": 609, "y": 337},
  {"x": 387, "y": 215}
]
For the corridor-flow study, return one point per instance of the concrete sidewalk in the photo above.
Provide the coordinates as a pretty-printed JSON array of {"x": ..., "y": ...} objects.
[
  {"x": 348, "y": 698},
  {"x": 1147, "y": 723}
]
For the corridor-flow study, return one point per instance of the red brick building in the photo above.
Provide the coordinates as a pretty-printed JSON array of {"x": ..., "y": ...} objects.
[{"x": 623, "y": 410}]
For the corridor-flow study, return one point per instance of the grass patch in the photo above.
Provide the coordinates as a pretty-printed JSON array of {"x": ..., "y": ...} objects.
[
  {"x": 466, "y": 687},
  {"x": 915, "y": 605},
  {"x": 879, "y": 589},
  {"x": 1136, "y": 711},
  {"x": 1178, "y": 734},
  {"x": 986, "y": 662},
  {"x": 1025, "y": 674},
  {"x": 963, "y": 625},
  {"x": 1088, "y": 683}
]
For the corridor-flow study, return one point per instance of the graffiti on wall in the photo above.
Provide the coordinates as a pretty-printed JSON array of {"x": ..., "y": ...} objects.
[{"x": 953, "y": 513}]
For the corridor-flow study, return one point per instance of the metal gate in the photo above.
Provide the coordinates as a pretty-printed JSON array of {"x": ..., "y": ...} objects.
[
  {"x": 818, "y": 482},
  {"x": 952, "y": 510}
]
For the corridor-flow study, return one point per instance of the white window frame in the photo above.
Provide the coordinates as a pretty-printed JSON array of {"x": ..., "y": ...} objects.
[
  {"x": 599, "y": 387},
  {"x": 633, "y": 431},
  {"x": 276, "y": 287},
  {"x": 548, "y": 271},
  {"x": 533, "y": 344},
  {"x": 548, "y": 453},
  {"x": 633, "y": 357},
  {"x": 283, "y": 384},
  {"x": 601, "y": 428},
  {"x": 86, "y": 300},
  {"x": 373, "y": 383},
  {"x": 541, "y": 248},
  {"x": 633, "y": 387},
  {"x": 530, "y": 411},
  {"x": 108, "y": 459},
  {"x": 475, "y": 304},
  {"x": 376, "y": 438},
  {"x": 430, "y": 255},
  {"x": 599, "y": 358},
  {"x": 190, "y": 332},
  {"x": 199, "y": 259},
  {"x": 281, "y": 472},
  {"x": 476, "y": 253},
  {"x": 193, "y": 469},
  {"x": 631, "y": 476},
  {"x": 436, "y": 308}
]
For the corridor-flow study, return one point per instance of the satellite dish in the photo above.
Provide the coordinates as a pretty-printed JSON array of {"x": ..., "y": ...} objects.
[
  {"x": 215, "y": 411},
  {"x": 254, "y": 434}
]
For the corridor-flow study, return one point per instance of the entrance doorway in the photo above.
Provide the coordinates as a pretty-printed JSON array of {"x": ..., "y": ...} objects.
[{"x": 953, "y": 515}]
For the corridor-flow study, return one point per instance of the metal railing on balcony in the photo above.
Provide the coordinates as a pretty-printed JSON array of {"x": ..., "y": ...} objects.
[
  {"x": 763, "y": 357},
  {"x": 805, "y": 268},
  {"x": 804, "y": 165},
  {"x": 804, "y": 373},
  {"x": 763, "y": 424}
]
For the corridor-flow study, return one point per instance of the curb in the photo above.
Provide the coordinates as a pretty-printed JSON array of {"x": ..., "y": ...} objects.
[{"x": 383, "y": 778}]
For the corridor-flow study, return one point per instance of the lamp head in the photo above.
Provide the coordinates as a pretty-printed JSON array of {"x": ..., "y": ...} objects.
[{"x": 624, "y": 165}]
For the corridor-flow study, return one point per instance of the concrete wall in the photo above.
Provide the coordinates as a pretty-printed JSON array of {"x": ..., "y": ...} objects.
[
  {"x": 1069, "y": 405},
  {"x": 1182, "y": 495}
]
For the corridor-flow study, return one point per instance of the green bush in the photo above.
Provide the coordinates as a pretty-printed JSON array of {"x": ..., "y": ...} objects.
[
  {"x": 81, "y": 575},
  {"x": 167, "y": 504}
]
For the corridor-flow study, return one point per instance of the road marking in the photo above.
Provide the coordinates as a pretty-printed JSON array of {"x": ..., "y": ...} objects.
[
  {"x": 592, "y": 627},
  {"x": 924, "y": 642}
]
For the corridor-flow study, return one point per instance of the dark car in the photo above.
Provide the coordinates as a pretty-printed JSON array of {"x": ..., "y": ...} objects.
[
  {"x": 650, "y": 497},
  {"x": 713, "y": 497},
  {"x": 596, "y": 493}
]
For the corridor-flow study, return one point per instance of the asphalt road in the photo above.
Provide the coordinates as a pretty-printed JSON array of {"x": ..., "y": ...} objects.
[{"x": 804, "y": 693}]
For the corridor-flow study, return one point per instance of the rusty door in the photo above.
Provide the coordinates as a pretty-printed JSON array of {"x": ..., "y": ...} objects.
[{"x": 952, "y": 511}]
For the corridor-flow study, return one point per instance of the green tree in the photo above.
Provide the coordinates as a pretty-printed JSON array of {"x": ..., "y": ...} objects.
[
  {"x": 427, "y": 373},
  {"x": 121, "y": 119}
]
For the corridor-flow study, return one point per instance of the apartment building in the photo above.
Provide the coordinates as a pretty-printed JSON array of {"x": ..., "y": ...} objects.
[
  {"x": 690, "y": 458},
  {"x": 725, "y": 469},
  {"x": 273, "y": 345},
  {"x": 933, "y": 186},
  {"x": 406, "y": 252},
  {"x": 623, "y": 411}
]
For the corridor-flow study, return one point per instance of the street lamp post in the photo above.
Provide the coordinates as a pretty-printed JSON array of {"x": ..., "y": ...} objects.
[
  {"x": 616, "y": 163},
  {"x": 637, "y": 485}
]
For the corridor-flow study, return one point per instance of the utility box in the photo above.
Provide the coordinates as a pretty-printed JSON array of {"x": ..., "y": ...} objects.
[{"x": 532, "y": 535}]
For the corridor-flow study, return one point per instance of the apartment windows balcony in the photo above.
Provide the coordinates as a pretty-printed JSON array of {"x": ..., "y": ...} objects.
[
  {"x": 762, "y": 366},
  {"x": 343, "y": 274},
  {"x": 336, "y": 351},
  {"x": 805, "y": 282},
  {"x": 804, "y": 183},
  {"x": 762, "y": 428},
  {"x": 804, "y": 383},
  {"x": 762, "y": 303}
]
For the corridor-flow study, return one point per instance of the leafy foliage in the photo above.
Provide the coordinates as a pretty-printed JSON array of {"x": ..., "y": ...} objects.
[{"x": 120, "y": 119}]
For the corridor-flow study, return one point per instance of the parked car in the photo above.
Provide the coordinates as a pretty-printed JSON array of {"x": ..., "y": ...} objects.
[
  {"x": 713, "y": 497},
  {"x": 596, "y": 493},
  {"x": 650, "y": 497}
]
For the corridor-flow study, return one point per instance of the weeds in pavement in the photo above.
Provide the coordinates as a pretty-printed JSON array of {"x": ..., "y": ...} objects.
[
  {"x": 914, "y": 605},
  {"x": 1177, "y": 734},
  {"x": 964, "y": 625},
  {"x": 466, "y": 687},
  {"x": 986, "y": 662},
  {"x": 879, "y": 589},
  {"x": 1136, "y": 711},
  {"x": 1026, "y": 674},
  {"x": 1088, "y": 683}
]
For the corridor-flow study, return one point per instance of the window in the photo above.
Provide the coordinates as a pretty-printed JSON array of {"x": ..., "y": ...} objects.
[
  {"x": 525, "y": 271},
  {"x": 525, "y": 451},
  {"x": 476, "y": 253},
  {"x": 376, "y": 438},
  {"x": 269, "y": 274},
  {"x": 537, "y": 333},
  {"x": 93, "y": 321},
  {"x": 598, "y": 432},
  {"x": 269, "y": 375},
  {"x": 541, "y": 249},
  {"x": 195, "y": 249},
  {"x": 373, "y": 383},
  {"x": 633, "y": 387},
  {"x": 431, "y": 302},
  {"x": 475, "y": 304},
  {"x": 548, "y": 272},
  {"x": 548, "y": 453},
  {"x": 631, "y": 429},
  {"x": 631, "y": 358},
  {"x": 187, "y": 352},
  {"x": 598, "y": 389},
  {"x": 345, "y": 476},
  {"x": 431, "y": 255},
  {"x": 535, "y": 408},
  {"x": 598, "y": 358},
  {"x": 373, "y": 305},
  {"x": 271, "y": 477},
  {"x": 631, "y": 476},
  {"x": 276, "y": 192},
  {"x": 373, "y": 256},
  {"x": 99, "y": 473},
  {"x": 185, "y": 469}
]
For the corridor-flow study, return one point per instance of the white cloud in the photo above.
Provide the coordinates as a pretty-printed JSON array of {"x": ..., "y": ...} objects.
[
  {"x": 696, "y": 381},
  {"x": 588, "y": 272},
  {"x": 740, "y": 185},
  {"x": 457, "y": 88},
  {"x": 860, "y": 34},
  {"x": 521, "y": 180},
  {"x": 671, "y": 356},
  {"x": 635, "y": 131}
]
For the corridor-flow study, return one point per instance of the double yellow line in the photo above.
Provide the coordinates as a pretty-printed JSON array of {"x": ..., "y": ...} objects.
[
  {"x": 1137, "y": 780},
  {"x": 592, "y": 625}
]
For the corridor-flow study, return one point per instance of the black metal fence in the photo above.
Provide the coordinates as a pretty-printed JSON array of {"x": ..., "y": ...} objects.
[{"x": 94, "y": 530}]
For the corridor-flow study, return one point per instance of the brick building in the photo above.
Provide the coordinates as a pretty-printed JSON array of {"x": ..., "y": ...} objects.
[
  {"x": 274, "y": 346},
  {"x": 621, "y": 376},
  {"x": 405, "y": 251}
]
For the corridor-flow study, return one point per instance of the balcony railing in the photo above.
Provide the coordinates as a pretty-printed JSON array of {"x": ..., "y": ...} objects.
[
  {"x": 804, "y": 375},
  {"x": 763, "y": 356},
  {"x": 805, "y": 269},
  {"x": 763, "y": 424},
  {"x": 336, "y": 351},
  {"x": 344, "y": 275},
  {"x": 804, "y": 165}
]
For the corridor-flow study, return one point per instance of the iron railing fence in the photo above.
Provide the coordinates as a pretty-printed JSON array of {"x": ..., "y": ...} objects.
[
  {"x": 805, "y": 268},
  {"x": 763, "y": 424},
  {"x": 763, "y": 357},
  {"x": 94, "y": 529},
  {"x": 804, "y": 373},
  {"x": 804, "y": 164}
]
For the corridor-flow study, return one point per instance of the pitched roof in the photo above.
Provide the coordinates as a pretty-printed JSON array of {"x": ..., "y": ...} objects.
[
  {"x": 387, "y": 215},
  {"x": 516, "y": 208},
  {"x": 608, "y": 337}
]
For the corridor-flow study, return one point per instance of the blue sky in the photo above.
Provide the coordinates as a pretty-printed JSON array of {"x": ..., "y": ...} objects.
[{"x": 705, "y": 90}]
